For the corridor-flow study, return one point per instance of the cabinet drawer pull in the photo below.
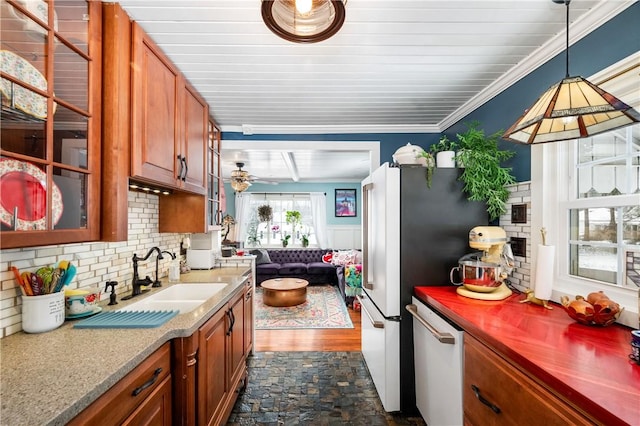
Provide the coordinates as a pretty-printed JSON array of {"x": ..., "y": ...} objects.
[
  {"x": 151, "y": 381},
  {"x": 482, "y": 399}
]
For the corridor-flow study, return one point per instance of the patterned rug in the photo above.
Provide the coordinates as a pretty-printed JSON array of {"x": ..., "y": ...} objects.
[{"x": 324, "y": 308}]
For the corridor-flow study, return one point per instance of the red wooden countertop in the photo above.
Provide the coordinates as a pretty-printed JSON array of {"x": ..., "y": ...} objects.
[{"x": 587, "y": 365}]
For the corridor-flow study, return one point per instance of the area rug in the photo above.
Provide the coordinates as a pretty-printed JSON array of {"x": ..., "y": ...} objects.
[{"x": 324, "y": 308}]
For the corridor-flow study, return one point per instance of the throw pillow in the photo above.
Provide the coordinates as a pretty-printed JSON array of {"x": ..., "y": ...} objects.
[
  {"x": 262, "y": 256},
  {"x": 342, "y": 257},
  {"x": 327, "y": 257}
]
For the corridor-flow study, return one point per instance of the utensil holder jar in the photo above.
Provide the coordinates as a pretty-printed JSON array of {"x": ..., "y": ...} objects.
[{"x": 42, "y": 313}]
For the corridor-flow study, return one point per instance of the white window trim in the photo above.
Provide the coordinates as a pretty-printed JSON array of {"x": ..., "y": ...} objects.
[{"x": 549, "y": 201}]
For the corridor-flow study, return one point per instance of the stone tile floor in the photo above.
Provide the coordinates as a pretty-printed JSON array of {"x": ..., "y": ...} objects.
[{"x": 311, "y": 388}]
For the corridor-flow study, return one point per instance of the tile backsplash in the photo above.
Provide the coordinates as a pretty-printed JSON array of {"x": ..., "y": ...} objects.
[
  {"x": 96, "y": 262},
  {"x": 519, "y": 194}
]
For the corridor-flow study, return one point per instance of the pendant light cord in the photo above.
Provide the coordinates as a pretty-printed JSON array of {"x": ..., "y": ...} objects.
[{"x": 567, "y": 48}]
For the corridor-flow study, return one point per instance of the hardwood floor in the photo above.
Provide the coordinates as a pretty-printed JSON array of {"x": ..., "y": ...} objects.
[{"x": 327, "y": 339}]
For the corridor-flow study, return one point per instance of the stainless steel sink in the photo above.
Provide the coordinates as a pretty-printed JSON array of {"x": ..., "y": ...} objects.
[{"x": 181, "y": 297}]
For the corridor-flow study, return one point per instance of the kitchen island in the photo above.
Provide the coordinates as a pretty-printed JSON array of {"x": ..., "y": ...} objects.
[
  {"x": 49, "y": 378},
  {"x": 586, "y": 367}
]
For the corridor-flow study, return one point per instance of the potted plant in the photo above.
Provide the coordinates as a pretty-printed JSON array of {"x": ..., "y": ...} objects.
[
  {"x": 265, "y": 213},
  {"x": 430, "y": 163},
  {"x": 293, "y": 218},
  {"x": 285, "y": 240},
  {"x": 305, "y": 240},
  {"x": 444, "y": 152},
  {"x": 484, "y": 177}
]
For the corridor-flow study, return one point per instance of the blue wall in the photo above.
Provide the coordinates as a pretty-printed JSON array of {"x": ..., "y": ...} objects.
[{"x": 606, "y": 45}]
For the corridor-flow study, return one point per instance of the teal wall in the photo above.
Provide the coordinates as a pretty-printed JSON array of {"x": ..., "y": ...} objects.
[{"x": 327, "y": 188}]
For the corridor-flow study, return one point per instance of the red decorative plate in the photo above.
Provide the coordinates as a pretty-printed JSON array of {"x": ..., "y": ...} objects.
[{"x": 23, "y": 185}]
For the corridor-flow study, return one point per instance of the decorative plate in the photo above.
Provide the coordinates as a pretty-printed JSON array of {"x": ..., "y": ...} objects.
[
  {"x": 23, "y": 185},
  {"x": 23, "y": 99}
]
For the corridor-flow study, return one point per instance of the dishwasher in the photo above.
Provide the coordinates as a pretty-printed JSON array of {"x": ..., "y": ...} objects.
[{"x": 438, "y": 358}]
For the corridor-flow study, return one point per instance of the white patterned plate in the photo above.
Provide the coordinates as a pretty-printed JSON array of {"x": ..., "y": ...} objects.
[
  {"x": 23, "y": 185},
  {"x": 23, "y": 99}
]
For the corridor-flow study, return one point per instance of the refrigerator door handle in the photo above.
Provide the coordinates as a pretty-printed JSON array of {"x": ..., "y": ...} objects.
[
  {"x": 376, "y": 324},
  {"x": 442, "y": 337},
  {"x": 365, "y": 236}
]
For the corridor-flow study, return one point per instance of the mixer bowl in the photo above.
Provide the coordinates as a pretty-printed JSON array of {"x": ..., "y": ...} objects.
[{"x": 478, "y": 276}]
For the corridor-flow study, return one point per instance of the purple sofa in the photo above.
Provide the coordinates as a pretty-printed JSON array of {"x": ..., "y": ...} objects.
[{"x": 299, "y": 263}]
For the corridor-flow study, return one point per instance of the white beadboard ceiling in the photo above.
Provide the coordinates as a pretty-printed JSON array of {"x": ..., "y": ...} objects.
[{"x": 395, "y": 66}]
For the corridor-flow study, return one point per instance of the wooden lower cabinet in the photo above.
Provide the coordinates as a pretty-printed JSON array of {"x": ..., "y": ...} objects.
[
  {"x": 212, "y": 365},
  {"x": 248, "y": 317},
  {"x": 497, "y": 393},
  {"x": 142, "y": 397}
]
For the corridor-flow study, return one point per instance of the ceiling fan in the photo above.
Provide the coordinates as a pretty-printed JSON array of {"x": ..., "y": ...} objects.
[{"x": 241, "y": 179}]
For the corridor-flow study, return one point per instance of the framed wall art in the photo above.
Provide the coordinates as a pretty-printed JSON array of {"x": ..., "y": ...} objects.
[{"x": 346, "y": 203}]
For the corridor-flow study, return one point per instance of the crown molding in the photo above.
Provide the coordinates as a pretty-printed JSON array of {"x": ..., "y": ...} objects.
[
  {"x": 601, "y": 13},
  {"x": 257, "y": 129}
]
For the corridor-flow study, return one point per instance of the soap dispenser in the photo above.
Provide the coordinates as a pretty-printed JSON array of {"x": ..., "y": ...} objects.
[{"x": 174, "y": 270}]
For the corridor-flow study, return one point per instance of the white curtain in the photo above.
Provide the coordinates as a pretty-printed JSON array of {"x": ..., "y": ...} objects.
[
  {"x": 319, "y": 213},
  {"x": 243, "y": 215}
]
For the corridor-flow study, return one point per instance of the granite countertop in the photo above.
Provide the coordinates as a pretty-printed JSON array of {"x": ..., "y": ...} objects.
[
  {"x": 587, "y": 366},
  {"x": 48, "y": 378}
]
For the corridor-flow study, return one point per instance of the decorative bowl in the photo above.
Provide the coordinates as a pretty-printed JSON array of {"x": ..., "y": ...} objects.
[
  {"x": 81, "y": 301},
  {"x": 596, "y": 309},
  {"x": 409, "y": 154}
]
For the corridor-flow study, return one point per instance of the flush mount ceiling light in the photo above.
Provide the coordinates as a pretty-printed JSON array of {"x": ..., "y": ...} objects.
[
  {"x": 304, "y": 21},
  {"x": 240, "y": 179},
  {"x": 573, "y": 108}
]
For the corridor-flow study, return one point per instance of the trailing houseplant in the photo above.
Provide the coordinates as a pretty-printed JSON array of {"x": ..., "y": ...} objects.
[
  {"x": 484, "y": 177},
  {"x": 430, "y": 164},
  {"x": 265, "y": 213}
]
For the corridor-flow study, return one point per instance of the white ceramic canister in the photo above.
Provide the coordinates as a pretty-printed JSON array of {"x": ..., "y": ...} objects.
[
  {"x": 446, "y": 159},
  {"x": 42, "y": 313}
]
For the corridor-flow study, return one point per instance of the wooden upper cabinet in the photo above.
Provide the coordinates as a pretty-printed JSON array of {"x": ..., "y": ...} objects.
[
  {"x": 195, "y": 121},
  {"x": 51, "y": 108},
  {"x": 155, "y": 130},
  {"x": 155, "y": 135}
]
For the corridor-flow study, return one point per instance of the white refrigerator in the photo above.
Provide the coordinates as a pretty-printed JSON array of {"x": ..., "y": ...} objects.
[{"x": 412, "y": 236}]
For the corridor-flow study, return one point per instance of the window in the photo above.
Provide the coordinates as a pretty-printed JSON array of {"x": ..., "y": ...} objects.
[
  {"x": 586, "y": 193},
  {"x": 605, "y": 225},
  {"x": 272, "y": 233}
]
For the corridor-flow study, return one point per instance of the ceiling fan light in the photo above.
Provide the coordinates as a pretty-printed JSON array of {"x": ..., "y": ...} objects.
[
  {"x": 240, "y": 186},
  {"x": 287, "y": 19},
  {"x": 573, "y": 108}
]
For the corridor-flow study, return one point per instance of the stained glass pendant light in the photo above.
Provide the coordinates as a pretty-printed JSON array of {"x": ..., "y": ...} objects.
[
  {"x": 573, "y": 108},
  {"x": 304, "y": 21}
]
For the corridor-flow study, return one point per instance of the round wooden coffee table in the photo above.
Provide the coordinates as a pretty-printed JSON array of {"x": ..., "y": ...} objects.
[{"x": 284, "y": 291}]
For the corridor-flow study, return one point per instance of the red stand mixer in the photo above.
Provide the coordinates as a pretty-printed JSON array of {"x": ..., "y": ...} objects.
[{"x": 483, "y": 273}]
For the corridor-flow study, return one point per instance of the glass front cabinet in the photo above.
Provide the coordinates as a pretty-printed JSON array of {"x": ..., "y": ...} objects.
[{"x": 50, "y": 150}]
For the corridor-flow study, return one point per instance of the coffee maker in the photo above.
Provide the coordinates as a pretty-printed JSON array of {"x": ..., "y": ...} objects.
[{"x": 483, "y": 273}]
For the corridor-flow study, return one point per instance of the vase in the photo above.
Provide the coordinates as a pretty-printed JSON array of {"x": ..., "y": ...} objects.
[
  {"x": 446, "y": 160},
  {"x": 284, "y": 244}
]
